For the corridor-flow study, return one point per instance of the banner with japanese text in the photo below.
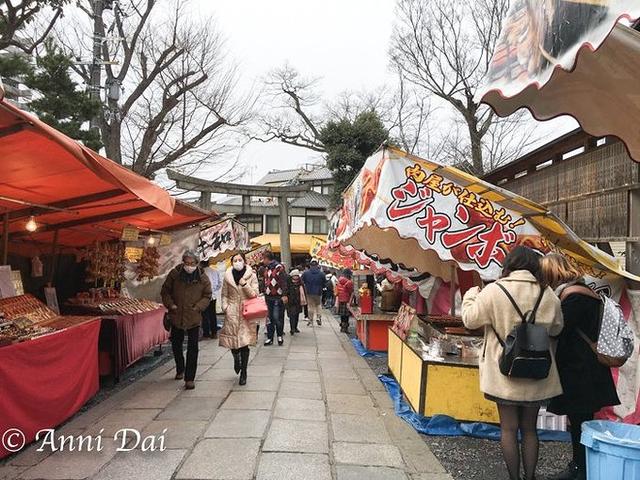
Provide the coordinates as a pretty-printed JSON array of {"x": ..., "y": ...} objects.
[
  {"x": 254, "y": 257},
  {"x": 333, "y": 258},
  {"x": 431, "y": 218},
  {"x": 222, "y": 237}
]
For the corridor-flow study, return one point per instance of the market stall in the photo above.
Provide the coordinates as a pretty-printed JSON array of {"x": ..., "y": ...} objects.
[
  {"x": 440, "y": 221},
  {"x": 48, "y": 365},
  {"x": 63, "y": 201},
  {"x": 372, "y": 322},
  {"x": 130, "y": 328}
]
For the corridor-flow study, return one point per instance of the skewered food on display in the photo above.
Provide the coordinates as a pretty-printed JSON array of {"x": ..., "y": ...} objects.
[
  {"x": 128, "y": 306},
  {"x": 24, "y": 317},
  {"x": 149, "y": 263},
  {"x": 106, "y": 262}
]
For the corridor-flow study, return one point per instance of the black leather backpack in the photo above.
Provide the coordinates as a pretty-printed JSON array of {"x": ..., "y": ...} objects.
[{"x": 525, "y": 351}]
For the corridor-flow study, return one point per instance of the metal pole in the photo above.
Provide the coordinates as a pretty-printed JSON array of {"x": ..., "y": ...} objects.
[
  {"x": 54, "y": 255},
  {"x": 5, "y": 239},
  {"x": 452, "y": 291},
  {"x": 285, "y": 243}
]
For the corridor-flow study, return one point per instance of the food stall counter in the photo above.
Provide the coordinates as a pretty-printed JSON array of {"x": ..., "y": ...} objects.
[
  {"x": 372, "y": 328},
  {"x": 447, "y": 385}
]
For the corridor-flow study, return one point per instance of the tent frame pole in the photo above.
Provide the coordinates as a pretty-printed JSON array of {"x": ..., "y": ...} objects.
[
  {"x": 5, "y": 238},
  {"x": 452, "y": 291}
]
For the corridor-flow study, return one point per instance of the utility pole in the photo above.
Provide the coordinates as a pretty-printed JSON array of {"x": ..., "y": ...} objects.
[{"x": 96, "y": 62}]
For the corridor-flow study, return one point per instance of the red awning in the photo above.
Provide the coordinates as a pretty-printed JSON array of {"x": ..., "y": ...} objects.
[{"x": 96, "y": 196}]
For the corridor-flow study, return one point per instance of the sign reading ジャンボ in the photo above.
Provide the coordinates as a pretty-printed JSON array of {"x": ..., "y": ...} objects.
[{"x": 431, "y": 218}]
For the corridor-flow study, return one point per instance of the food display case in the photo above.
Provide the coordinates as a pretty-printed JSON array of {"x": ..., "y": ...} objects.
[{"x": 434, "y": 358}]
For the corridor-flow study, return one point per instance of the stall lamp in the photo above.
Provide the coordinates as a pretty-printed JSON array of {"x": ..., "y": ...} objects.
[
  {"x": 151, "y": 241},
  {"x": 31, "y": 225}
]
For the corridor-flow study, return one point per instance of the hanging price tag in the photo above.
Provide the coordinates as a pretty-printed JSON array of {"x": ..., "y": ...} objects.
[
  {"x": 133, "y": 254},
  {"x": 165, "y": 240},
  {"x": 130, "y": 234}
]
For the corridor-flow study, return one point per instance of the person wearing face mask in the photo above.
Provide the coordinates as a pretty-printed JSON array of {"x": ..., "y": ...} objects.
[
  {"x": 297, "y": 299},
  {"x": 186, "y": 293},
  {"x": 239, "y": 284}
]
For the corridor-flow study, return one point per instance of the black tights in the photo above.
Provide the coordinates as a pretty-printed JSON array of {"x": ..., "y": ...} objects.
[
  {"x": 576, "y": 420},
  {"x": 512, "y": 420}
]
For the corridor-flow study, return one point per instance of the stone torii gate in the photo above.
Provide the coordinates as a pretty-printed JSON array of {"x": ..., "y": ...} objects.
[{"x": 282, "y": 193}]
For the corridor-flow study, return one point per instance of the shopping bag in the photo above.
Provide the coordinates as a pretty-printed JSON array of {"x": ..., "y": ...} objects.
[{"x": 254, "y": 308}]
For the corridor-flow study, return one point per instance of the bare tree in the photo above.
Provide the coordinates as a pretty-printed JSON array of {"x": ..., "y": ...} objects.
[
  {"x": 25, "y": 24},
  {"x": 300, "y": 113},
  {"x": 444, "y": 48},
  {"x": 179, "y": 106},
  {"x": 294, "y": 97},
  {"x": 412, "y": 114}
]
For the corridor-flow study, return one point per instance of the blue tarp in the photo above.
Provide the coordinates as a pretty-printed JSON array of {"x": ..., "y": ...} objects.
[
  {"x": 447, "y": 426},
  {"x": 363, "y": 352}
]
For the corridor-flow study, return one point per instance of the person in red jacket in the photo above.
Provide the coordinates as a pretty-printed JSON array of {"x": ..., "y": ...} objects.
[{"x": 344, "y": 293}]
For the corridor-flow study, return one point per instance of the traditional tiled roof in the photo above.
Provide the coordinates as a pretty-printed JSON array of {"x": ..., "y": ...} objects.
[
  {"x": 310, "y": 200},
  {"x": 296, "y": 175}
]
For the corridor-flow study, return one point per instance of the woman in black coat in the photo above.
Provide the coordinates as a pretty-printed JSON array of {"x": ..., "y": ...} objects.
[
  {"x": 296, "y": 299},
  {"x": 587, "y": 384}
]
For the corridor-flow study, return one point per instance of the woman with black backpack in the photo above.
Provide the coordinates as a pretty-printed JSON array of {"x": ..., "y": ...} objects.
[
  {"x": 516, "y": 372},
  {"x": 586, "y": 383}
]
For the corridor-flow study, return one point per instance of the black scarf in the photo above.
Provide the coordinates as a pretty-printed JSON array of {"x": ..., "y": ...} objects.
[{"x": 238, "y": 274}]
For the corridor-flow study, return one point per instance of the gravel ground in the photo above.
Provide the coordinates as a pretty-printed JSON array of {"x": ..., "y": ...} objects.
[{"x": 467, "y": 458}]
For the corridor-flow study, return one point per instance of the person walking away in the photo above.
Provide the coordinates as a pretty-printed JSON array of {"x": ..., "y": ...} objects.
[
  {"x": 239, "y": 284},
  {"x": 587, "y": 385},
  {"x": 186, "y": 293},
  {"x": 297, "y": 299},
  {"x": 275, "y": 289},
  {"x": 518, "y": 399},
  {"x": 209, "y": 316},
  {"x": 344, "y": 292},
  {"x": 332, "y": 281},
  {"x": 314, "y": 283}
]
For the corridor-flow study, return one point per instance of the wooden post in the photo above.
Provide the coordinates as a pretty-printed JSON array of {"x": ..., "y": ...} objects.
[
  {"x": 5, "y": 239},
  {"x": 452, "y": 291},
  {"x": 633, "y": 248},
  {"x": 54, "y": 256},
  {"x": 285, "y": 243}
]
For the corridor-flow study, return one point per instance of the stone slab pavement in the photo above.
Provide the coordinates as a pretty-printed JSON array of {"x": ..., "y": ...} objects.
[{"x": 311, "y": 409}]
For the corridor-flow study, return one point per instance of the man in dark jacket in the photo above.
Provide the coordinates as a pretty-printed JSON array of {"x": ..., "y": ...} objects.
[
  {"x": 314, "y": 281},
  {"x": 186, "y": 293},
  {"x": 275, "y": 293}
]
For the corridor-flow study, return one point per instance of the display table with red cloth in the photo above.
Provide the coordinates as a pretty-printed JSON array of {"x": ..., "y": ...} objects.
[
  {"x": 46, "y": 380},
  {"x": 125, "y": 339},
  {"x": 372, "y": 328}
]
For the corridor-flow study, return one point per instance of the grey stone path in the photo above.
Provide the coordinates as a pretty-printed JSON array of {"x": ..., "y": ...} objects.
[{"x": 311, "y": 409}]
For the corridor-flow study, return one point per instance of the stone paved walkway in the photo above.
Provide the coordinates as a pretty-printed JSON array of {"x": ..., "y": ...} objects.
[{"x": 311, "y": 409}]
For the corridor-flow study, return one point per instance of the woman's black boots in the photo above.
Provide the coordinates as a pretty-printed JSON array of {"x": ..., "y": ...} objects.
[
  {"x": 236, "y": 360},
  {"x": 244, "y": 362}
]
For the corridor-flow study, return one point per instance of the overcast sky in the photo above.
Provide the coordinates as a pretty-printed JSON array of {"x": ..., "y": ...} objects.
[{"x": 345, "y": 43}]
